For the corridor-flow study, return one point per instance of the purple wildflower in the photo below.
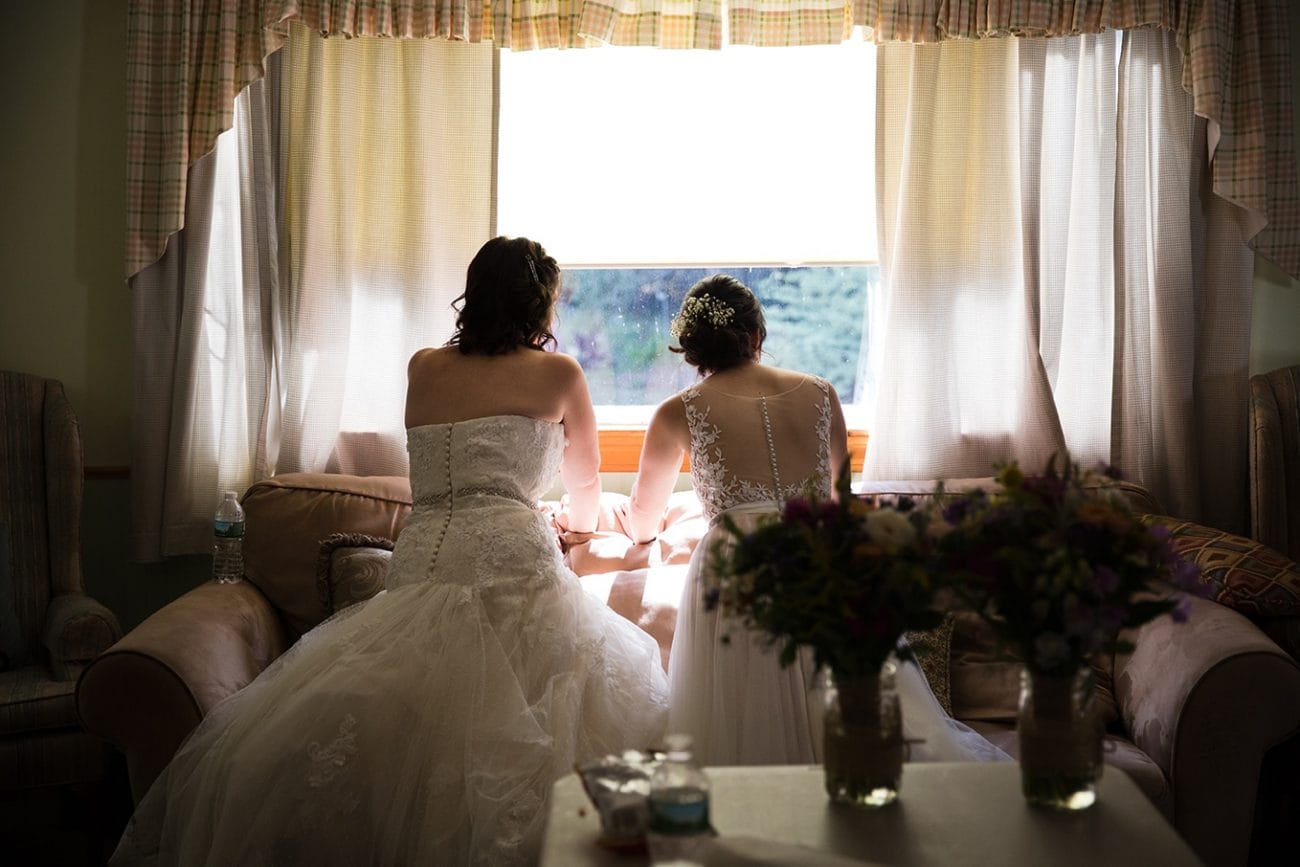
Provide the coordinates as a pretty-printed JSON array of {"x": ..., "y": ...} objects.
[
  {"x": 797, "y": 511},
  {"x": 1110, "y": 471},
  {"x": 1105, "y": 581},
  {"x": 1187, "y": 576},
  {"x": 1159, "y": 532},
  {"x": 1111, "y": 617}
]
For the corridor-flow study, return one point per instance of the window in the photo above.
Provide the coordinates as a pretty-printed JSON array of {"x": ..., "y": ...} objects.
[
  {"x": 615, "y": 321},
  {"x": 643, "y": 171}
]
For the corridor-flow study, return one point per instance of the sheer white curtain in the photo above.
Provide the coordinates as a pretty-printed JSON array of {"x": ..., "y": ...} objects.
[
  {"x": 1057, "y": 274},
  {"x": 325, "y": 239}
]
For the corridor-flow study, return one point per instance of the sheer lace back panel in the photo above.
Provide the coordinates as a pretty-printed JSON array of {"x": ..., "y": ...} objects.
[{"x": 758, "y": 449}]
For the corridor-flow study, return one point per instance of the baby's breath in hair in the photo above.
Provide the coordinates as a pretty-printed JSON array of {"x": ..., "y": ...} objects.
[{"x": 697, "y": 308}]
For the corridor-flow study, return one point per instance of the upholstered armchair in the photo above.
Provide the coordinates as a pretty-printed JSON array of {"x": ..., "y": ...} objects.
[
  {"x": 49, "y": 628},
  {"x": 1275, "y": 459}
]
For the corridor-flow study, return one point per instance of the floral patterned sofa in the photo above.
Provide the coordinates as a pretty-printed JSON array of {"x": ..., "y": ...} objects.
[{"x": 1193, "y": 711}]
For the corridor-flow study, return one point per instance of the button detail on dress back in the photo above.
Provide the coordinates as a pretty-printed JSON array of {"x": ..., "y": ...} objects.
[
  {"x": 450, "y": 499},
  {"x": 771, "y": 447}
]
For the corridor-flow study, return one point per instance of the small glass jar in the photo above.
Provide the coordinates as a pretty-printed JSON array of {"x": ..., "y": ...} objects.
[
  {"x": 863, "y": 729},
  {"x": 1060, "y": 738}
]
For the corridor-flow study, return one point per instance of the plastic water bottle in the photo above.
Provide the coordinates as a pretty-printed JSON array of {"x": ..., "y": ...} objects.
[
  {"x": 677, "y": 826},
  {"x": 228, "y": 540}
]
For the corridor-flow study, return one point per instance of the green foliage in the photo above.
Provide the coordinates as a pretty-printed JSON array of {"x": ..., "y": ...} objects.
[
  {"x": 1058, "y": 564},
  {"x": 843, "y": 577},
  {"x": 615, "y": 321}
]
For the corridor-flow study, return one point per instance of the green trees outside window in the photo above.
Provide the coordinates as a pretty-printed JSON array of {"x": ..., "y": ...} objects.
[{"x": 615, "y": 322}]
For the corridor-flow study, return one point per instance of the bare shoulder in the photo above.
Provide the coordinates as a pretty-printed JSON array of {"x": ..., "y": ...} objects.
[
  {"x": 559, "y": 364},
  {"x": 430, "y": 355},
  {"x": 671, "y": 413},
  {"x": 792, "y": 378},
  {"x": 560, "y": 372}
]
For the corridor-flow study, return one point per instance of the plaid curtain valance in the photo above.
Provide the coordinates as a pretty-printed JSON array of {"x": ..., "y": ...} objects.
[{"x": 187, "y": 60}]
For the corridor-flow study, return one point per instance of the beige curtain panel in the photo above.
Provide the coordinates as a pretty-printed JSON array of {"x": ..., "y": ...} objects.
[{"x": 187, "y": 61}]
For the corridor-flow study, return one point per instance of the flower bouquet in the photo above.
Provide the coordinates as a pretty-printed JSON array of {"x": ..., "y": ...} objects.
[
  {"x": 1058, "y": 565},
  {"x": 845, "y": 578}
]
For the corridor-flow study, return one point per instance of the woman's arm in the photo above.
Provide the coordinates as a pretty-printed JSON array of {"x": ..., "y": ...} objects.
[
  {"x": 666, "y": 440},
  {"x": 580, "y": 469},
  {"x": 839, "y": 443}
]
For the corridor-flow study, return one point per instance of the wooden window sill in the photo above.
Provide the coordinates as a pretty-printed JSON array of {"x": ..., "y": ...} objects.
[{"x": 620, "y": 449}]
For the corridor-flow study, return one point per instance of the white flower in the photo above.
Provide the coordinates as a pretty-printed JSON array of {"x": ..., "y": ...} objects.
[{"x": 889, "y": 529}]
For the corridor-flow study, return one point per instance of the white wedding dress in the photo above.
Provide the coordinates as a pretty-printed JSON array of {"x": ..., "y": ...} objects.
[
  {"x": 740, "y": 706},
  {"x": 426, "y": 725}
]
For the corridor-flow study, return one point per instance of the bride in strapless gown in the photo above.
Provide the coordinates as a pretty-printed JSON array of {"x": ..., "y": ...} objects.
[{"x": 427, "y": 725}]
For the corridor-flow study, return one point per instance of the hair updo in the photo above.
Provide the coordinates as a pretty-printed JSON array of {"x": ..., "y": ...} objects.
[
  {"x": 717, "y": 323},
  {"x": 511, "y": 288}
]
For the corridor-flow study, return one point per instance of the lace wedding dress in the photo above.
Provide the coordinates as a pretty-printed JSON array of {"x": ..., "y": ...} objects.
[
  {"x": 426, "y": 725},
  {"x": 740, "y": 706}
]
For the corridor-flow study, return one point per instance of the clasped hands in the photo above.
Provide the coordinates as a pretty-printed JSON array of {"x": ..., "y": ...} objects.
[{"x": 612, "y": 519}]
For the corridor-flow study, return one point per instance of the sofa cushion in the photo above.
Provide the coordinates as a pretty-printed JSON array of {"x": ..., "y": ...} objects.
[
  {"x": 1139, "y": 498},
  {"x": 30, "y": 701},
  {"x": 1117, "y": 752},
  {"x": 352, "y": 568},
  {"x": 288, "y": 516},
  {"x": 985, "y": 677},
  {"x": 1240, "y": 573},
  {"x": 13, "y": 648}
]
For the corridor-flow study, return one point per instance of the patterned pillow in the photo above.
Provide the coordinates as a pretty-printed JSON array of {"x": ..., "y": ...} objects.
[
  {"x": 351, "y": 569},
  {"x": 932, "y": 649},
  {"x": 1241, "y": 573}
]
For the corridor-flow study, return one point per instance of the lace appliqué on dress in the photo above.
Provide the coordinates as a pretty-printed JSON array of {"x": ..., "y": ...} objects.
[
  {"x": 327, "y": 761},
  {"x": 717, "y": 489}
]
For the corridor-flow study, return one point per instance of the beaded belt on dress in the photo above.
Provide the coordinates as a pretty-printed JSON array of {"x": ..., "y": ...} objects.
[{"x": 473, "y": 491}]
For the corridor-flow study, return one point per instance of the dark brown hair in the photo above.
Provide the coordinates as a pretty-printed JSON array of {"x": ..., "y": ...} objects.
[
  {"x": 511, "y": 288},
  {"x": 711, "y": 347}
]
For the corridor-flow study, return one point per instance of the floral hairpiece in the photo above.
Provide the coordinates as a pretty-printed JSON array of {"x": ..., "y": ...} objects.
[{"x": 698, "y": 307}]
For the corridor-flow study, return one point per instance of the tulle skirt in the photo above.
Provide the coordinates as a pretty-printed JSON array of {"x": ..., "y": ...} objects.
[
  {"x": 411, "y": 729},
  {"x": 742, "y": 707}
]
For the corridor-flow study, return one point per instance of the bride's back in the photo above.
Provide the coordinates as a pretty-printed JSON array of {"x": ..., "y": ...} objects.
[
  {"x": 758, "y": 434},
  {"x": 445, "y": 385}
]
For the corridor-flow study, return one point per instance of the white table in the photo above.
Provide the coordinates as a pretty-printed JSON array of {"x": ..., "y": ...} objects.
[{"x": 947, "y": 814}]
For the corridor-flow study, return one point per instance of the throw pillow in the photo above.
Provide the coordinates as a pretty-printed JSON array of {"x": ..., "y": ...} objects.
[
  {"x": 932, "y": 649},
  {"x": 985, "y": 676},
  {"x": 351, "y": 568},
  {"x": 13, "y": 650},
  {"x": 1240, "y": 573}
]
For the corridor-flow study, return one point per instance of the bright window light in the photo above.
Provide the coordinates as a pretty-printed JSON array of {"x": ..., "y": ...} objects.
[{"x": 631, "y": 156}]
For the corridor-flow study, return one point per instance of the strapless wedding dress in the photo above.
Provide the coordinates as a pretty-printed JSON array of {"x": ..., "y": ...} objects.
[{"x": 426, "y": 725}]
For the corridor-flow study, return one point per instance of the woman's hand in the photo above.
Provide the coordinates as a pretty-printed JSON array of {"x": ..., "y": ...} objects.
[{"x": 623, "y": 523}]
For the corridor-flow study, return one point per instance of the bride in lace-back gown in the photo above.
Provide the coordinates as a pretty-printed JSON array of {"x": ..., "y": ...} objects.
[
  {"x": 756, "y": 436},
  {"x": 427, "y": 725}
]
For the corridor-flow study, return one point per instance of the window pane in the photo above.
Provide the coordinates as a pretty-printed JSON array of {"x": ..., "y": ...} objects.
[
  {"x": 632, "y": 156},
  {"x": 615, "y": 321}
]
